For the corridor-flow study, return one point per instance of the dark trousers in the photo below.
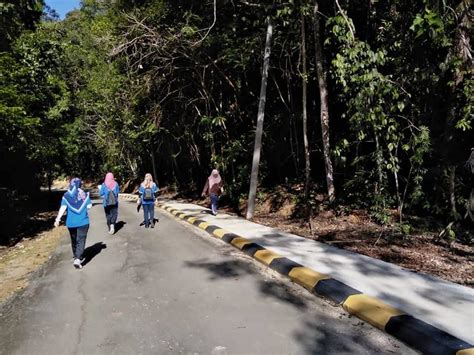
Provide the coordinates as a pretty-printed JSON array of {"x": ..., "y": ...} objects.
[
  {"x": 111, "y": 213},
  {"x": 149, "y": 214},
  {"x": 78, "y": 240}
]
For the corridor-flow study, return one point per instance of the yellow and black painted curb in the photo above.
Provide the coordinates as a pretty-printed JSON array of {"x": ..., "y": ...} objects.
[{"x": 412, "y": 331}]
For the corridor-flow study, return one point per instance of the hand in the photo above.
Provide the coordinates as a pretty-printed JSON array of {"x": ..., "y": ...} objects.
[
  {"x": 56, "y": 223},
  {"x": 203, "y": 195}
]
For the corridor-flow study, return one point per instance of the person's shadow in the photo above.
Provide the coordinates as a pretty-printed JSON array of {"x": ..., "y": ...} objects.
[
  {"x": 155, "y": 221},
  {"x": 92, "y": 251},
  {"x": 119, "y": 225}
]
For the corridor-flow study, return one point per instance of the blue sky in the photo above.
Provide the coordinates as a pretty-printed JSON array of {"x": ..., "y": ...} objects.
[{"x": 62, "y": 7}]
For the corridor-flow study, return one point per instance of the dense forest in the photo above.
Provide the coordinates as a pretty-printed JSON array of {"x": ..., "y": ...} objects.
[{"x": 369, "y": 102}]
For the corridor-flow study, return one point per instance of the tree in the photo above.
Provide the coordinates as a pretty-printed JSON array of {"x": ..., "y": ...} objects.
[
  {"x": 304, "y": 80},
  {"x": 324, "y": 106},
  {"x": 260, "y": 117}
]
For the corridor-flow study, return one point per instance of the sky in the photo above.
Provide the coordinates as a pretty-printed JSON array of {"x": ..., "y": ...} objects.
[{"x": 62, "y": 7}]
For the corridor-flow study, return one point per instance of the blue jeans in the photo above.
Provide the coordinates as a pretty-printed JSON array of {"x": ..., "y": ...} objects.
[
  {"x": 78, "y": 240},
  {"x": 149, "y": 214},
  {"x": 214, "y": 201},
  {"x": 111, "y": 213}
]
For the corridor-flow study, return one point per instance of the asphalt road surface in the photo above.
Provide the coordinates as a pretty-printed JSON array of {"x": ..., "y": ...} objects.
[{"x": 174, "y": 290}]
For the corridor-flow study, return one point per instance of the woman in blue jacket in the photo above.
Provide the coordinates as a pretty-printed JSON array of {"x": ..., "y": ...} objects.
[
  {"x": 77, "y": 203},
  {"x": 109, "y": 191},
  {"x": 148, "y": 190}
]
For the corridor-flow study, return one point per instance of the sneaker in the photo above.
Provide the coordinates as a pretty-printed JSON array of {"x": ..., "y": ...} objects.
[
  {"x": 152, "y": 225},
  {"x": 112, "y": 229},
  {"x": 77, "y": 264}
]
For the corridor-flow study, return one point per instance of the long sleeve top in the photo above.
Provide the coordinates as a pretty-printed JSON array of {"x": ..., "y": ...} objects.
[
  {"x": 141, "y": 191},
  {"x": 216, "y": 189},
  {"x": 104, "y": 190}
]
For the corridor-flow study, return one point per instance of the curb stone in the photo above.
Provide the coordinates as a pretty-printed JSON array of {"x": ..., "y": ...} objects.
[{"x": 416, "y": 333}]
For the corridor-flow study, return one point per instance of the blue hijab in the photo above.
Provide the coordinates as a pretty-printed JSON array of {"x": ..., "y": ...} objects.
[{"x": 75, "y": 197}]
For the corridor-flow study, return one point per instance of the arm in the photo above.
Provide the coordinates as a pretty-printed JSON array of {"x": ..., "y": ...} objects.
[
  {"x": 62, "y": 209},
  {"x": 101, "y": 191},
  {"x": 141, "y": 189}
]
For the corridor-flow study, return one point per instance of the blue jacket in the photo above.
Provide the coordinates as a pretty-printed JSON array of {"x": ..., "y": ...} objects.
[
  {"x": 104, "y": 191},
  {"x": 141, "y": 191},
  {"x": 77, "y": 218}
]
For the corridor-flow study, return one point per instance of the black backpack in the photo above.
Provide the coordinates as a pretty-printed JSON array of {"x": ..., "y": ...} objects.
[
  {"x": 148, "y": 194},
  {"x": 111, "y": 199}
]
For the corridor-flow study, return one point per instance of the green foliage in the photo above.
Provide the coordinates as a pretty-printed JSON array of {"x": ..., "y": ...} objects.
[
  {"x": 120, "y": 84},
  {"x": 405, "y": 228}
]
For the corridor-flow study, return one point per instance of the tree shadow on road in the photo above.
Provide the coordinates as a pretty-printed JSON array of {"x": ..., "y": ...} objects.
[
  {"x": 92, "y": 251},
  {"x": 236, "y": 269},
  {"x": 325, "y": 334},
  {"x": 225, "y": 269}
]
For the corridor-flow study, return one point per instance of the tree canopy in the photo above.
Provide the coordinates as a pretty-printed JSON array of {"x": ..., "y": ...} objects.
[{"x": 172, "y": 87}]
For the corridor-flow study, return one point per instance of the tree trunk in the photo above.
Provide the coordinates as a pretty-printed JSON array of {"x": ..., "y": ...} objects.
[
  {"x": 378, "y": 163},
  {"x": 324, "y": 111},
  {"x": 462, "y": 51},
  {"x": 260, "y": 117},
  {"x": 304, "y": 74},
  {"x": 452, "y": 186}
]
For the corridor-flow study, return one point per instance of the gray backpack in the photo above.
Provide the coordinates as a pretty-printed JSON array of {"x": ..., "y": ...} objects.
[
  {"x": 111, "y": 199},
  {"x": 148, "y": 194}
]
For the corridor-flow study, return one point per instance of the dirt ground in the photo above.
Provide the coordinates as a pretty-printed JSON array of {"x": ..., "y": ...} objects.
[{"x": 18, "y": 262}]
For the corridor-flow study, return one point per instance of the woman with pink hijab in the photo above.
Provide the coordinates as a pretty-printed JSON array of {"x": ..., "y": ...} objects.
[
  {"x": 213, "y": 188},
  {"x": 109, "y": 191}
]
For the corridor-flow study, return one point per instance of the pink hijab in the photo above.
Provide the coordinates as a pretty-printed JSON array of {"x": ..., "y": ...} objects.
[
  {"x": 214, "y": 178},
  {"x": 110, "y": 181}
]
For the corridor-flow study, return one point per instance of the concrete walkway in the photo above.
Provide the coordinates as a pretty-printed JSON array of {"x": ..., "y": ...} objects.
[{"x": 445, "y": 305}]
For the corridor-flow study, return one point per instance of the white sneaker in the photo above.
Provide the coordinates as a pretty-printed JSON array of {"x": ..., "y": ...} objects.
[
  {"x": 77, "y": 264},
  {"x": 112, "y": 229}
]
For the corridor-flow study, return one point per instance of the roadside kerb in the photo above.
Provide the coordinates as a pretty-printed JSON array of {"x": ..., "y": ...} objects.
[{"x": 414, "y": 332}]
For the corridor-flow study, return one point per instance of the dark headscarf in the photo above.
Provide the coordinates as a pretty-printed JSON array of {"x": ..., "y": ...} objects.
[{"x": 75, "y": 197}]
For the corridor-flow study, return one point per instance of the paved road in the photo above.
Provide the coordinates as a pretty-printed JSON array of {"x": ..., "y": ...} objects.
[{"x": 173, "y": 290}]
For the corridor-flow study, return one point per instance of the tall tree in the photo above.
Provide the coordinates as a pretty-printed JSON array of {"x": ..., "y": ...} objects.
[
  {"x": 261, "y": 115},
  {"x": 304, "y": 84},
  {"x": 324, "y": 106}
]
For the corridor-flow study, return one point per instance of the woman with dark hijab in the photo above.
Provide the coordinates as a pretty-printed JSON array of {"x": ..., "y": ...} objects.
[{"x": 77, "y": 203}]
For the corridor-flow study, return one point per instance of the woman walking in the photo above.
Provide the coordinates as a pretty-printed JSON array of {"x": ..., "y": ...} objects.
[
  {"x": 213, "y": 188},
  {"x": 148, "y": 190},
  {"x": 109, "y": 191},
  {"x": 77, "y": 203}
]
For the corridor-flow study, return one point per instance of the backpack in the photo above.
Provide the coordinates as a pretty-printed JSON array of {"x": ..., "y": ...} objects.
[
  {"x": 111, "y": 199},
  {"x": 148, "y": 194}
]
